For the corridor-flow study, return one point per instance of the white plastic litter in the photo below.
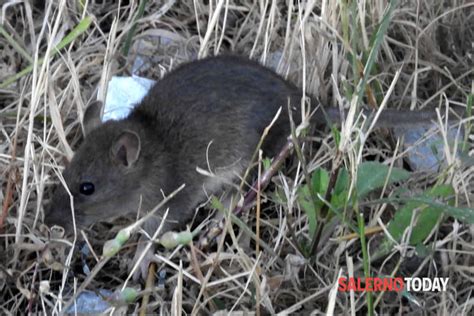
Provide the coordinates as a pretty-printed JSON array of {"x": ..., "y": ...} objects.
[{"x": 123, "y": 94}]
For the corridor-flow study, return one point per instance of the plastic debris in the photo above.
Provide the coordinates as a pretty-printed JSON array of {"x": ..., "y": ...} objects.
[
  {"x": 123, "y": 93},
  {"x": 90, "y": 303},
  {"x": 426, "y": 154}
]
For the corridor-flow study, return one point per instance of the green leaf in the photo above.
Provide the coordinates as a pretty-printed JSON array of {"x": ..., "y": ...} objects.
[
  {"x": 423, "y": 251},
  {"x": 341, "y": 190},
  {"x": 373, "y": 175},
  {"x": 320, "y": 181},
  {"x": 319, "y": 185},
  {"x": 430, "y": 215},
  {"x": 442, "y": 191},
  {"x": 463, "y": 214},
  {"x": 342, "y": 182},
  {"x": 339, "y": 200},
  {"x": 304, "y": 199},
  {"x": 266, "y": 163},
  {"x": 426, "y": 220},
  {"x": 401, "y": 220},
  {"x": 425, "y": 223}
]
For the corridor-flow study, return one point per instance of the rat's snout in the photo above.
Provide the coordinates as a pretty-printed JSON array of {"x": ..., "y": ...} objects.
[
  {"x": 58, "y": 212},
  {"x": 55, "y": 216}
]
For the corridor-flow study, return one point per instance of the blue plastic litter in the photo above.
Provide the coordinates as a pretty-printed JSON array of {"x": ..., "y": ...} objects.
[
  {"x": 90, "y": 303},
  {"x": 428, "y": 155}
]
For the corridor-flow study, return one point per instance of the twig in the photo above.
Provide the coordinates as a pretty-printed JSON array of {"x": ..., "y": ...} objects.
[
  {"x": 12, "y": 178},
  {"x": 150, "y": 280},
  {"x": 198, "y": 272}
]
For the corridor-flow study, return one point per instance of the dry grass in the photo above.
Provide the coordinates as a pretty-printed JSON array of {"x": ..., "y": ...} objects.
[{"x": 429, "y": 42}]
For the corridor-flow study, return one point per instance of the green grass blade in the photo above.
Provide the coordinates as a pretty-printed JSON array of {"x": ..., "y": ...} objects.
[
  {"x": 15, "y": 45},
  {"x": 69, "y": 38},
  {"x": 131, "y": 33},
  {"x": 379, "y": 35}
]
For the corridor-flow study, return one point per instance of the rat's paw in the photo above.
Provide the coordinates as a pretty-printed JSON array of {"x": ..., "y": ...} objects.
[{"x": 149, "y": 256}]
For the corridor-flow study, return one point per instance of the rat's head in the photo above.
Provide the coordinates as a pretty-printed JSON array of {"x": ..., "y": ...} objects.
[{"x": 104, "y": 176}]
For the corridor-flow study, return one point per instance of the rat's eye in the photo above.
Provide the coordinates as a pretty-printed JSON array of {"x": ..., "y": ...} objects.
[{"x": 86, "y": 188}]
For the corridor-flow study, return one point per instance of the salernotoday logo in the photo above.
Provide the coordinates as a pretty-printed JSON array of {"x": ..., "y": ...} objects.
[{"x": 377, "y": 284}]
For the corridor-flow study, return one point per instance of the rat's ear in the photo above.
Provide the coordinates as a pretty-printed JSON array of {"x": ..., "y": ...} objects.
[
  {"x": 126, "y": 148},
  {"x": 92, "y": 117}
]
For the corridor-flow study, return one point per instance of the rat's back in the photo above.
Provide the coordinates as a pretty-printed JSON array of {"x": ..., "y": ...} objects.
[{"x": 228, "y": 100}]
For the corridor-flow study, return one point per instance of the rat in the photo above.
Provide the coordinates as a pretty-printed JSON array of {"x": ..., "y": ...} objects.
[{"x": 207, "y": 114}]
